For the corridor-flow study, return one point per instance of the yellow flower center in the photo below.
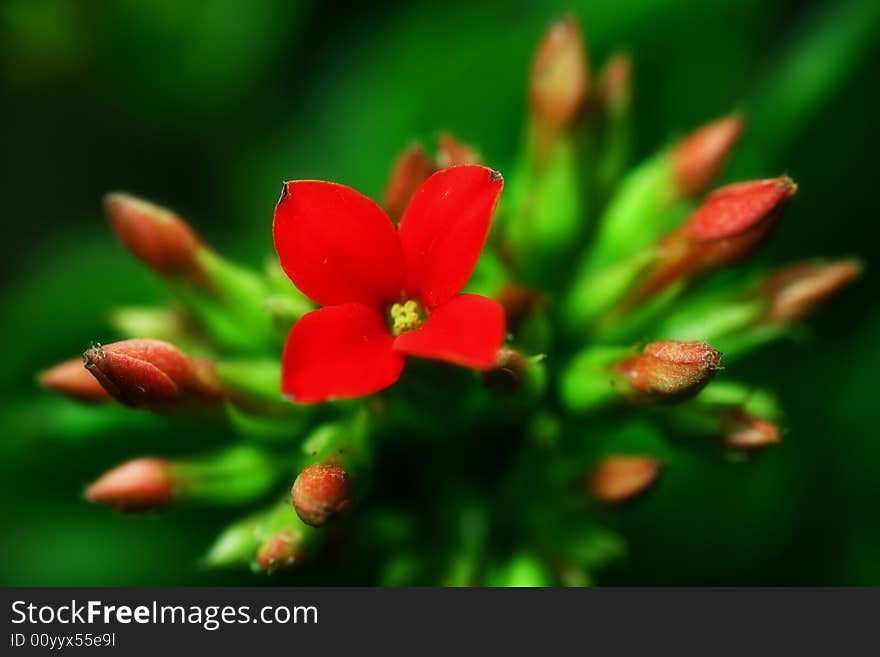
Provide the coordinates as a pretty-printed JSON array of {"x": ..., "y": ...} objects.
[{"x": 405, "y": 316}]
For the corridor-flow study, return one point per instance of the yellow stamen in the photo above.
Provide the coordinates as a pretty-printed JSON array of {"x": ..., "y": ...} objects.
[{"x": 406, "y": 316}]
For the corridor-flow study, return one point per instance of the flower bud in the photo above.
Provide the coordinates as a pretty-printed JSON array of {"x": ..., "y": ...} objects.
[
  {"x": 698, "y": 157},
  {"x": 796, "y": 291},
  {"x": 615, "y": 84},
  {"x": 745, "y": 431},
  {"x": 451, "y": 152},
  {"x": 137, "y": 485},
  {"x": 508, "y": 374},
  {"x": 734, "y": 211},
  {"x": 618, "y": 479},
  {"x": 156, "y": 236},
  {"x": 727, "y": 228},
  {"x": 321, "y": 492},
  {"x": 73, "y": 380},
  {"x": 410, "y": 170},
  {"x": 152, "y": 374},
  {"x": 669, "y": 370},
  {"x": 560, "y": 76},
  {"x": 281, "y": 551}
]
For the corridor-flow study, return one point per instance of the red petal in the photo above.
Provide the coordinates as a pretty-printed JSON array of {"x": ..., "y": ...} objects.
[
  {"x": 468, "y": 330},
  {"x": 339, "y": 352},
  {"x": 336, "y": 245},
  {"x": 443, "y": 230}
]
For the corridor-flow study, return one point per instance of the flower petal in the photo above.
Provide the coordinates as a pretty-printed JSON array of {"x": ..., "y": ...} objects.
[
  {"x": 339, "y": 352},
  {"x": 468, "y": 330},
  {"x": 443, "y": 230},
  {"x": 336, "y": 245}
]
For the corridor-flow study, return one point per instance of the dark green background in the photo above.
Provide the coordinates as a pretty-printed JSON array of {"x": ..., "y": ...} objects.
[{"x": 207, "y": 106}]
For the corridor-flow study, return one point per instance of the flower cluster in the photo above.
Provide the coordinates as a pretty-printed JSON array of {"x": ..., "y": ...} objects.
[{"x": 564, "y": 348}]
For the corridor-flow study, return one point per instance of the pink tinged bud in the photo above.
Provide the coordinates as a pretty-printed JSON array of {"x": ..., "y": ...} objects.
[
  {"x": 560, "y": 75},
  {"x": 744, "y": 431},
  {"x": 738, "y": 211},
  {"x": 137, "y": 485},
  {"x": 451, "y": 152},
  {"x": 321, "y": 492},
  {"x": 698, "y": 157},
  {"x": 73, "y": 380},
  {"x": 156, "y": 236},
  {"x": 728, "y": 227},
  {"x": 669, "y": 370},
  {"x": 282, "y": 551},
  {"x": 615, "y": 84},
  {"x": 410, "y": 170},
  {"x": 152, "y": 374},
  {"x": 508, "y": 374},
  {"x": 618, "y": 479},
  {"x": 796, "y": 291}
]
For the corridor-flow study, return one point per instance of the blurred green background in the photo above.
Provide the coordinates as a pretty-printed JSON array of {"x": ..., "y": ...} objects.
[{"x": 207, "y": 106}]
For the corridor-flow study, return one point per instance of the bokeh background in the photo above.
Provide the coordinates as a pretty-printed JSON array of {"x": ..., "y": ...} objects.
[{"x": 205, "y": 106}]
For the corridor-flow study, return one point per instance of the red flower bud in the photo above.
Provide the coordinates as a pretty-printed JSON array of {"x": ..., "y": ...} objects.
[
  {"x": 508, "y": 374},
  {"x": 734, "y": 211},
  {"x": 137, "y": 485},
  {"x": 73, "y": 380},
  {"x": 156, "y": 236},
  {"x": 745, "y": 431},
  {"x": 152, "y": 374},
  {"x": 669, "y": 370},
  {"x": 796, "y": 291},
  {"x": 698, "y": 157},
  {"x": 321, "y": 492},
  {"x": 617, "y": 479},
  {"x": 281, "y": 551},
  {"x": 560, "y": 76},
  {"x": 452, "y": 153},
  {"x": 410, "y": 170},
  {"x": 727, "y": 228},
  {"x": 615, "y": 84}
]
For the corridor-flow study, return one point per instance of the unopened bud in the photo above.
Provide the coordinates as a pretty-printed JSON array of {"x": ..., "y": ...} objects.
[
  {"x": 615, "y": 84},
  {"x": 321, "y": 492},
  {"x": 560, "y": 75},
  {"x": 698, "y": 158},
  {"x": 796, "y": 291},
  {"x": 156, "y": 236},
  {"x": 281, "y": 551},
  {"x": 508, "y": 374},
  {"x": 73, "y": 380},
  {"x": 152, "y": 374},
  {"x": 451, "y": 152},
  {"x": 735, "y": 215},
  {"x": 137, "y": 485},
  {"x": 669, "y": 370},
  {"x": 745, "y": 431},
  {"x": 727, "y": 228},
  {"x": 617, "y": 479},
  {"x": 410, "y": 170}
]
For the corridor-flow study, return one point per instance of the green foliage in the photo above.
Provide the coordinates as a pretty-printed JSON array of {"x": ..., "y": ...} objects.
[{"x": 232, "y": 103}]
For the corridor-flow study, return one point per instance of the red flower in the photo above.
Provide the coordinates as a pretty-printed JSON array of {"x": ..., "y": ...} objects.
[{"x": 387, "y": 293}]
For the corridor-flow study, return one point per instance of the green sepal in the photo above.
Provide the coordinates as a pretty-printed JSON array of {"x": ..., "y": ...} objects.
[{"x": 587, "y": 382}]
